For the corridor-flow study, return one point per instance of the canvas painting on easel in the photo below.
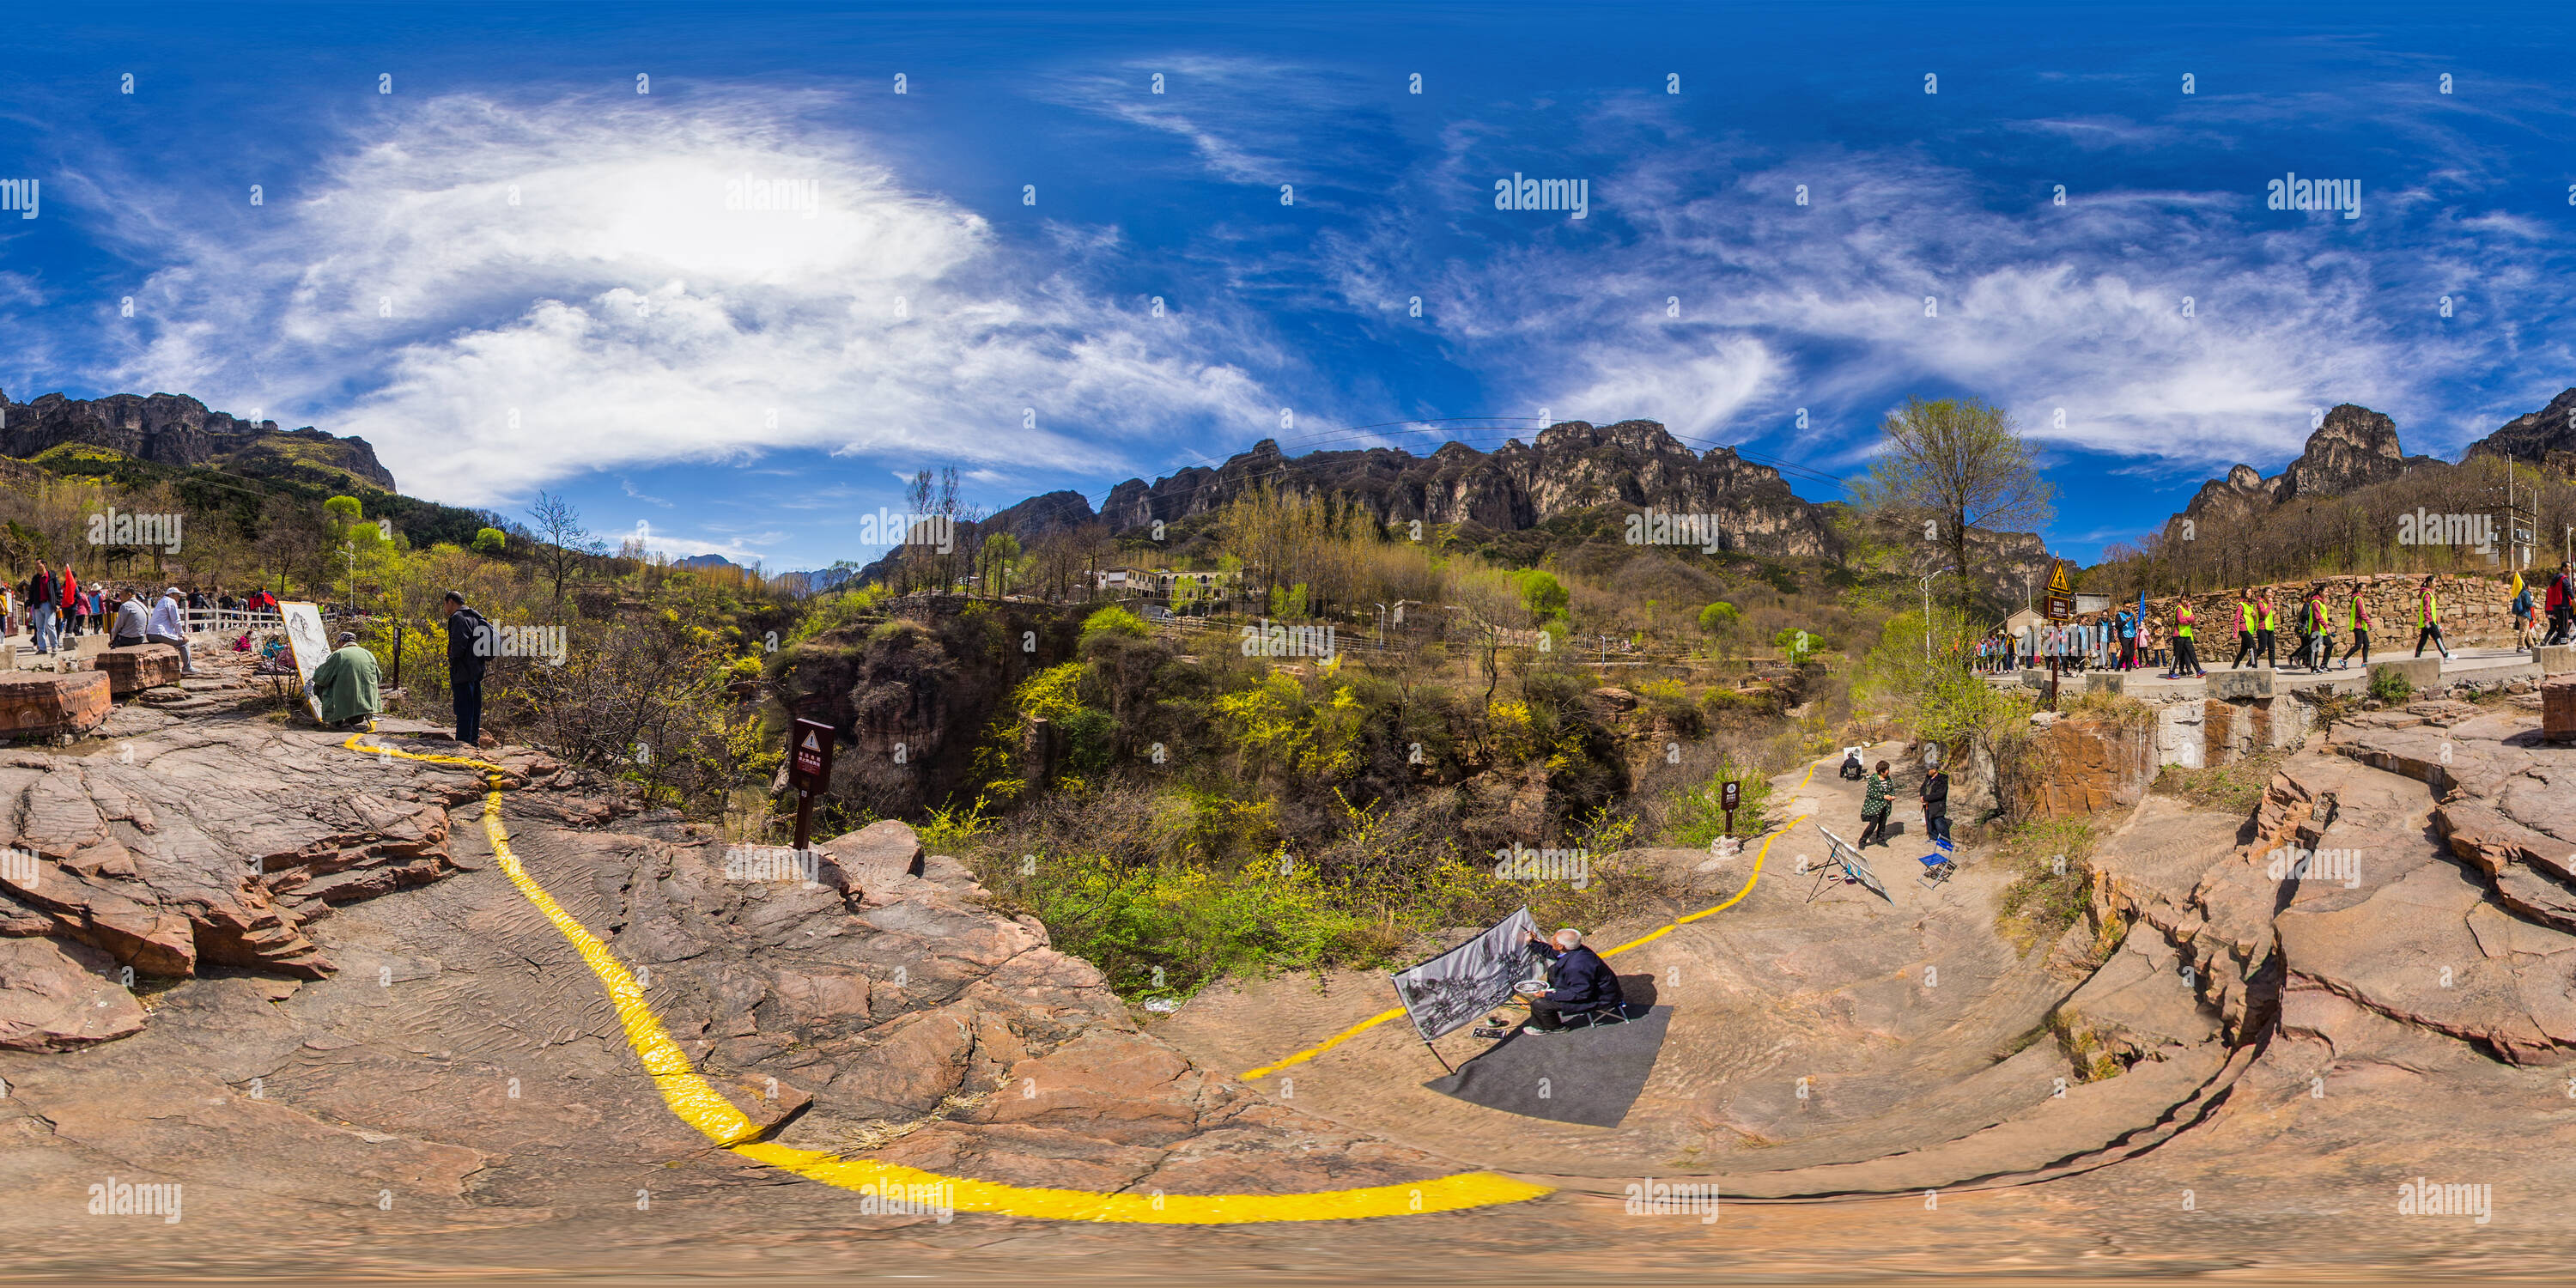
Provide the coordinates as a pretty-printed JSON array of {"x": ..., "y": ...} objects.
[{"x": 304, "y": 636}]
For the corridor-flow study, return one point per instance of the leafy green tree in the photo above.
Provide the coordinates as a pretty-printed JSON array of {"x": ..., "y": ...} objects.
[
  {"x": 1542, "y": 593},
  {"x": 1718, "y": 616},
  {"x": 490, "y": 541},
  {"x": 1797, "y": 644}
]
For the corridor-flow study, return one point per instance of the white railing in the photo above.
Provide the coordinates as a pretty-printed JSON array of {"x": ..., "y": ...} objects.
[{"x": 230, "y": 620}]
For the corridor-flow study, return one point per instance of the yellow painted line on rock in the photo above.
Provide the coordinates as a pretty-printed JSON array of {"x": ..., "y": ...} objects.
[
  {"x": 703, "y": 1107},
  {"x": 1398, "y": 1013}
]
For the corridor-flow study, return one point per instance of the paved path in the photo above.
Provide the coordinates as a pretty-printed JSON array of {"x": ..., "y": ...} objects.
[{"x": 2465, "y": 664}]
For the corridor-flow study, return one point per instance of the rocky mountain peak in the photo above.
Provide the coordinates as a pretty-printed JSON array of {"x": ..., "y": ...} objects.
[
  {"x": 2535, "y": 436},
  {"x": 2355, "y": 447}
]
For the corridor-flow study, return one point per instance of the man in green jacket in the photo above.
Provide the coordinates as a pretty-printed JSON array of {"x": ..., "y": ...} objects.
[{"x": 345, "y": 683}]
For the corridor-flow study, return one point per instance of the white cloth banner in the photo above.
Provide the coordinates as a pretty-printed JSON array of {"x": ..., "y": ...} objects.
[{"x": 1447, "y": 992}]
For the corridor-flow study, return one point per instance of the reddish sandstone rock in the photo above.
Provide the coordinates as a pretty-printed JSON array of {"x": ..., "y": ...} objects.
[
  {"x": 55, "y": 996},
  {"x": 2558, "y": 708},
  {"x": 132, "y": 670},
  {"x": 2076, "y": 766},
  {"x": 41, "y": 704}
]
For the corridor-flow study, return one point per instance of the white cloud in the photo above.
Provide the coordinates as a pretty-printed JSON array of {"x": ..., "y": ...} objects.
[{"x": 568, "y": 291}]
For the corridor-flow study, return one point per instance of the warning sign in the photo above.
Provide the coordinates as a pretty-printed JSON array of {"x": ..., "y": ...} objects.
[
  {"x": 809, "y": 756},
  {"x": 2057, "y": 581}
]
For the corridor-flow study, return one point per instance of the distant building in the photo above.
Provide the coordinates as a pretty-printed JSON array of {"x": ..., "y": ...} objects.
[{"x": 1123, "y": 580}]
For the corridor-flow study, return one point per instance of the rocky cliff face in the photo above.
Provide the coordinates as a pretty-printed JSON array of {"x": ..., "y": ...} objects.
[
  {"x": 174, "y": 429},
  {"x": 1572, "y": 466},
  {"x": 2354, "y": 448},
  {"x": 2537, "y": 435}
]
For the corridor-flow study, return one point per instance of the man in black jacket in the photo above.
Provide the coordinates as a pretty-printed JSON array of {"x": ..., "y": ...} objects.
[
  {"x": 1936, "y": 803},
  {"x": 470, "y": 642},
  {"x": 1579, "y": 983}
]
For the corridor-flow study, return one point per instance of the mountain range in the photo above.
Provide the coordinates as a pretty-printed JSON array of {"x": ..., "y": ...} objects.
[
  {"x": 174, "y": 429},
  {"x": 2355, "y": 447}
]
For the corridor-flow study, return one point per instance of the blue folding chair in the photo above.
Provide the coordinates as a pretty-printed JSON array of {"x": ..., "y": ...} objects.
[{"x": 1938, "y": 867}]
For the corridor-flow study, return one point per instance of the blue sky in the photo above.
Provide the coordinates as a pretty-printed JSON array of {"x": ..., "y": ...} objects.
[{"x": 514, "y": 271}]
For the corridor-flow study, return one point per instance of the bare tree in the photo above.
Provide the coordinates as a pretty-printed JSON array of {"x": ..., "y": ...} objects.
[
  {"x": 1954, "y": 464},
  {"x": 562, "y": 543}
]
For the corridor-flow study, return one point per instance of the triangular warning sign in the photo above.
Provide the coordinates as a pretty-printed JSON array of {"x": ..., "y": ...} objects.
[
  {"x": 2057, "y": 581},
  {"x": 810, "y": 744}
]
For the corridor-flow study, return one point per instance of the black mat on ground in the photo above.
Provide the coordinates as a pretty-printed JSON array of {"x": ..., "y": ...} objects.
[{"x": 1587, "y": 1076}]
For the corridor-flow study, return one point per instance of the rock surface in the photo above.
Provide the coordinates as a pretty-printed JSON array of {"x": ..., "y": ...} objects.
[
  {"x": 46, "y": 704},
  {"x": 130, "y": 671}
]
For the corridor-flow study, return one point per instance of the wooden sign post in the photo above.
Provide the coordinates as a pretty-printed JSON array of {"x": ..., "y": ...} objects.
[
  {"x": 2061, "y": 608},
  {"x": 1733, "y": 792},
  {"x": 809, "y": 771}
]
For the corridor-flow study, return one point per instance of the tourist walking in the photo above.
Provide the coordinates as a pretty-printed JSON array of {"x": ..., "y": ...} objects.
[
  {"x": 2183, "y": 654},
  {"x": 2267, "y": 626},
  {"x": 67, "y": 600},
  {"x": 2316, "y": 645},
  {"x": 2244, "y": 628},
  {"x": 44, "y": 604},
  {"x": 1874, "y": 808},
  {"x": 2428, "y": 620},
  {"x": 2356, "y": 618},
  {"x": 2523, "y": 616},
  {"x": 2562, "y": 605}
]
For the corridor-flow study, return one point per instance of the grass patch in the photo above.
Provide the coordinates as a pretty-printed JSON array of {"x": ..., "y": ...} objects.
[
  {"x": 1164, "y": 929},
  {"x": 1692, "y": 816},
  {"x": 2052, "y": 869},
  {"x": 2233, "y": 788}
]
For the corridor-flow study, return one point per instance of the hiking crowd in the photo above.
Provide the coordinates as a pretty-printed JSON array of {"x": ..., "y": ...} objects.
[{"x": 2128, "y": 640}]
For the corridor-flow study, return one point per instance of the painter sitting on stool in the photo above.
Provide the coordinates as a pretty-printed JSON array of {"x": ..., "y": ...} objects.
[{"x": 1579, "y": 982}]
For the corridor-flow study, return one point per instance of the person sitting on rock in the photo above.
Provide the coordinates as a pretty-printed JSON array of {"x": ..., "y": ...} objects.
[
  {"x": 1579, "y": 982},
  {"x": 169, "y": 626},
  {"x": 131, "y": 622},
  {"x": 1851, "y": 764},
  {"x": 345, "y": 684}
]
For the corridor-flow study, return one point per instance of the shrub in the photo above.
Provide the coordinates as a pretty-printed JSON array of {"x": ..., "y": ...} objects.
[
  {"x": 1666, "y": 701},
  {"x": 2390, "y": 686},
  {"x": 1114, "y": 620}
]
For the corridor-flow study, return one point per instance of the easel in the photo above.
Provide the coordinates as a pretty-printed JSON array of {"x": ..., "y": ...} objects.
[{"x": 1844, "y": 864}]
